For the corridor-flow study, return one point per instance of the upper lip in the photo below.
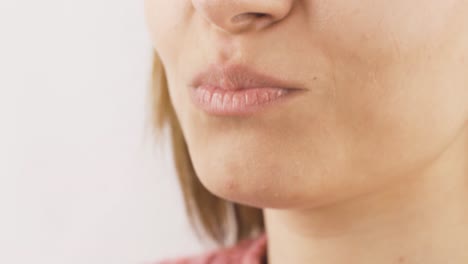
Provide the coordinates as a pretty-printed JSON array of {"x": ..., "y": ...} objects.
[{"x": 236, "y": 76}]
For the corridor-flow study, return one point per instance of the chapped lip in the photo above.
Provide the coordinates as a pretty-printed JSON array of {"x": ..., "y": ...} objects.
[
  {"x": 235, "y": 77},
  {"x": 237, "y": 90}
]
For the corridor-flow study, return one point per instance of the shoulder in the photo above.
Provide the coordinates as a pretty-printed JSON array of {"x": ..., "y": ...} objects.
[{"x": 251, "y": 250}]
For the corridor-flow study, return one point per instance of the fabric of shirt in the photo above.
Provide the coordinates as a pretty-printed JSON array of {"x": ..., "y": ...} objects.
[{"x": 251, "y": 251}]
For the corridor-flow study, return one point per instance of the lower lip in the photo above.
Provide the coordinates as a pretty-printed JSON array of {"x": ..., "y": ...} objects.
[{"x": 217, "y": 101}]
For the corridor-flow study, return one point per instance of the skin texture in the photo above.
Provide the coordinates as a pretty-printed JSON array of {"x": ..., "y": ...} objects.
[{"x": 378, "y": 139}]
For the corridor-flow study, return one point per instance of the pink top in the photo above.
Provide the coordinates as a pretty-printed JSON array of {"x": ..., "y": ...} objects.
[{"x": 251, "y": 251}]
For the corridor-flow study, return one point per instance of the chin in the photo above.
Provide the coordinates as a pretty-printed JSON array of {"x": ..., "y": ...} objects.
[
  {"x": 266, "y": 184},
  {"x": 239, "y": 182}
]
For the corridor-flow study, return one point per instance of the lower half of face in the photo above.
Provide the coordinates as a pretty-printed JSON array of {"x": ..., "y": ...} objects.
[{"x": 386, "y": 91}]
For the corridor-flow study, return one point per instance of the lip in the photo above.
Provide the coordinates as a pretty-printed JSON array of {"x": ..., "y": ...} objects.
[{"x": 237, "y": 90}]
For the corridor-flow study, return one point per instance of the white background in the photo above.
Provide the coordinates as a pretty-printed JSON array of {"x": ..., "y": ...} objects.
[{"x": 82, "y": 180}]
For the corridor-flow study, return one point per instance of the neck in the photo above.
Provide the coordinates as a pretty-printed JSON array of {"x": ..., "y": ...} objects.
[{"x": 422, "y": 221}]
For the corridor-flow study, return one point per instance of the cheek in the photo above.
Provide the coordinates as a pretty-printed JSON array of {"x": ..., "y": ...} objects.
[
  {"x": 167, "y": 22},
  {"x": 371, "y": 30},
  {"x": 399, "y": 82},
  {"x": 402, "y": 115},
  {"x": 396, "y": 64}
]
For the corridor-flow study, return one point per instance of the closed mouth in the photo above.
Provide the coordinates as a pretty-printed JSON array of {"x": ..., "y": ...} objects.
[{"x": 237, "y": 90}]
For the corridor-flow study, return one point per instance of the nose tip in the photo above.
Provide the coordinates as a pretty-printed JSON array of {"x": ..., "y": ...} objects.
[{"x": 235, "y": 16}]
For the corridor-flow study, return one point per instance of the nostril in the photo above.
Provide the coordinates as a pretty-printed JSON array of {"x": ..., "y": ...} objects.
[
  {"x": 259, "y": 14},
  {"x": 247, "y": 17},
  {"x": 240, "y": 16}
]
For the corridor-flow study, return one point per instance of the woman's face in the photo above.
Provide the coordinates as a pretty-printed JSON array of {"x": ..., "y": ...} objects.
[{"x": 385, "y": 92}]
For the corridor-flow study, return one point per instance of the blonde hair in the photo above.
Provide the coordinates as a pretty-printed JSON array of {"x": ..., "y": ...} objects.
[{"x": 208, "y": 214}]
